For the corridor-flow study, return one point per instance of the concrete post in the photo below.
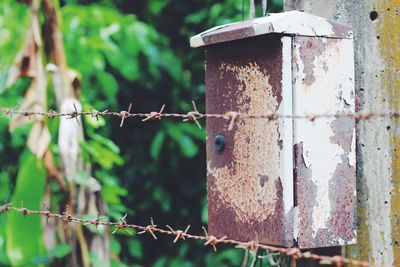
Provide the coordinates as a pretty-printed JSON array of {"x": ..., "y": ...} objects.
[{"x": 376, "y": 25}]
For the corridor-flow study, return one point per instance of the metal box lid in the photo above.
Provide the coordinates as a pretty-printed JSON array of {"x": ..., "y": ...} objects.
[{"x": 288, "y": 23}]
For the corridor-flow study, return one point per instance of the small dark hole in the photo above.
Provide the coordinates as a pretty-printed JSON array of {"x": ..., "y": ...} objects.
[{"x": 373, "y": 15}]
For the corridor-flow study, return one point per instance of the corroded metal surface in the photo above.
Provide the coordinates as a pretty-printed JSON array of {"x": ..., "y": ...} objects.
[
  {"x": 245, "y": 190},
  {"x": 286, "y": 183},
  {"x": 323, "y": 81},
  {"x": 289, "y": 23}
]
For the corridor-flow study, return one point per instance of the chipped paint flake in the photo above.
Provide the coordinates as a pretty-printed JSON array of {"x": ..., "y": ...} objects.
[
  {"x": 298, "y": 23},
  {"x": 327, "y": 140}
]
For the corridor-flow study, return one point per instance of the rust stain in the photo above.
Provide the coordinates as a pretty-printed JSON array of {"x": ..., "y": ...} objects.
[
  {"x": 342, "y": 189},
  {"x": 227, "y": 220},
  {"x": 234, "y": 32},
  {"x": 310, "y": 49},
  {"x": 323, "y": 215},
  {"x": 253, "y": 140},
  {"x": 244, "y": 187},
  {"x": 342, "y": 222},
  {"x": 306, "y": 194}
]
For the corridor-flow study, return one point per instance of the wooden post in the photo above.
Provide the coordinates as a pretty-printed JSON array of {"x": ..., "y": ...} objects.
[{"x": 376, "y": 25}]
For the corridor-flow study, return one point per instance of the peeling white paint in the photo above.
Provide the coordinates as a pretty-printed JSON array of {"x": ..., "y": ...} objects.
[
  {"x": 293, "y": 22},
  {"x": 286, "y": 126},
  {"x": 320, "y": 154},
  {"x": 196, "y": 41}
]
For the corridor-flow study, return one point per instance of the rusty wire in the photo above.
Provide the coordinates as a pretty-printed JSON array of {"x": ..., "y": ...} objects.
[
  {"x": 209, "y": 240},
  {"x": 231, "y": 116}
]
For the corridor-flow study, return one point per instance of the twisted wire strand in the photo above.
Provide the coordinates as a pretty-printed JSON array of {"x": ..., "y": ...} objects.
[{"x": 210, "y": 240}]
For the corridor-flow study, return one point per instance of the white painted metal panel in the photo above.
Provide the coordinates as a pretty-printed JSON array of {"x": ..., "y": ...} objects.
[{"x": 324, "y": 83}]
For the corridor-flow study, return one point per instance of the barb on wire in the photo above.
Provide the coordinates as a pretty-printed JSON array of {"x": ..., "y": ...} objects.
[
  {"x": 155, "y": 115},
  {"x": 179, "y": 233},
  {"x": 194, "y": 115},
  {"x": 212, "y": 240},
  {"x": 122, "y": 226},
  {"x": 295, "y": 253},
  {"x": 149, "y": 229},
  {"x": 75, "y": 114},
  {"x": 124, "y": 114}
]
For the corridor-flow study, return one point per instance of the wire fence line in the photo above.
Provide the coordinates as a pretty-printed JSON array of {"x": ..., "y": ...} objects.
[
  {"x": 195, "y": 115},
  {"x": 209, "y": 240}
]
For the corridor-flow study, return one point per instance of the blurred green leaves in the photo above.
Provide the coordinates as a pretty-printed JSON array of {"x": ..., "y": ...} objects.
[
  {"x": 10, "y": 12},
  {"x": 24, "y": 234},
  {"x": 107, "y": 45},
  {"x": 183, "y": 135},
  {"x": 157, "y": 144},
  {"x": 58, "y": 252},
  {"x": 125, "y": 53},
  {"x": 102, "y": 151},
  {"x": 135, "y": 248}
]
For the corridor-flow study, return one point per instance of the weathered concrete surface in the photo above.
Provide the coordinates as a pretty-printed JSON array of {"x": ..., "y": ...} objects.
[{"x": 376, "y": 26}]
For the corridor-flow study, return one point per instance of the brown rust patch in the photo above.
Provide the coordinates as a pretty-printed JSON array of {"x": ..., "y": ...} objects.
[
  {"x": 342, "y": 195},
  {"x": 342, "y": 223},
  {"x": 244, "y": 188},
  {"x": 342, "y": 188},
  {"x": 234, "y": 32},
  {"x": 270, "y": 230},
  {"x": 305, "y": 197},
  {"x": 253, "y": 140},
  {"x": 310, "y": 49}
]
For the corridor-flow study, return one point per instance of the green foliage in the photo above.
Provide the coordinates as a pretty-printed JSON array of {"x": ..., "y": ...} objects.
[
  {"x": 24, "y": 234},
  {"x": 58, "y": 252},
  {"x": 10, "y": 42},
  {"x": 124, "y": 53}
]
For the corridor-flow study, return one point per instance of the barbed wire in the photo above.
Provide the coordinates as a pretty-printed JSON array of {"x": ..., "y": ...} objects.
[
  {"x": 195, "y": 115},
  {"x": 209, "y": 240}
]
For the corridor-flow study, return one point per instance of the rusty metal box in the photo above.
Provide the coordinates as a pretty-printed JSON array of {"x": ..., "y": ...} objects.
[{"x": 287, "y": 182}]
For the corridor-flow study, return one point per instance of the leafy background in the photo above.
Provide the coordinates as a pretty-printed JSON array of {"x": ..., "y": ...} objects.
[{"x": 124, "y": 51}]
